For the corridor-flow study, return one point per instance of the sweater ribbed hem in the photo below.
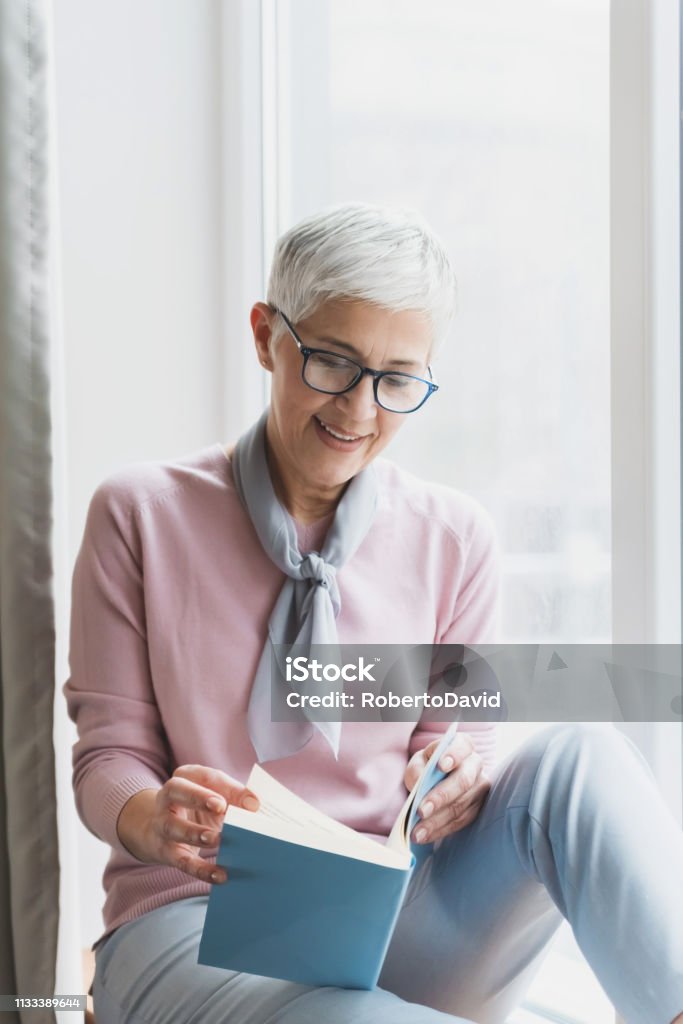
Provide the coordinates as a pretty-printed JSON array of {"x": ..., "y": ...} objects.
[{"x": 113, "y": 800}]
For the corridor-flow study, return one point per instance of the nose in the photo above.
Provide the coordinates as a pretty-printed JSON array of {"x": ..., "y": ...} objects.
[{"x": 359, "y": 403}]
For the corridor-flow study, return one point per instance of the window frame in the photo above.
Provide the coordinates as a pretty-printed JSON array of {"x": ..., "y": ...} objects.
[
  {"x": 245, "y": 216},
  {"x": 645, "y": 266},
  {"x": 645, "y": 322}
]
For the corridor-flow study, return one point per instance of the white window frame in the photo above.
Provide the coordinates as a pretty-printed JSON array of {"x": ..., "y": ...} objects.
[
  {"x": 645, "y": 259},
  {"x": 246, "y": 218},
  {"x": 645, "y": 347},
  {"x": 645, "y": 321}
]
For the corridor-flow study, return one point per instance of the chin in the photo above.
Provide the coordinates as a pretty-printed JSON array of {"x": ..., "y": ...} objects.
[{"x": 336, "y": 475}]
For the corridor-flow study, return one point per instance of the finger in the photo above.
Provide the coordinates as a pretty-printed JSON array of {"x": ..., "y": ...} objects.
[
  {"x": 456, "y": 784},
  {"x": 458, "y": 750},
  {"x": 182, "y": 858},
  {"x": 413, "y": 769},
  {"x": 461, "y": 820},
  {"x": 436, "y": 820},
  {"x": 172, "y": 828},
  {"x": 476, "y": 795},
  {"x": 452, "y": 757},
  {"x": 232, "y": 791},
  {"x": 453, "y": 817},
  {"x": 444, "y": 818},
  {"x": 417, "y": 763},
  {"x": 180, "y": 792}
]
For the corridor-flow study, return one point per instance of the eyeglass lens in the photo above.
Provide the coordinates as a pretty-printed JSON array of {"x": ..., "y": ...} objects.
[{"x": 398, "y": 392}]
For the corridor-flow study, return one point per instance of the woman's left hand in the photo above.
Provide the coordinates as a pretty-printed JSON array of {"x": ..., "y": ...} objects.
[{"x": 455, "y": 801}]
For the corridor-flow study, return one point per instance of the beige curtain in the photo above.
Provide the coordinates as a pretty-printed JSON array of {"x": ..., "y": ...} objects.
[{"x": 29, "y": 867}]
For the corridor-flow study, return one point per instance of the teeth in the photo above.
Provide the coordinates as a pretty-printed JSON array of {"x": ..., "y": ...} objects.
[{"x": 340, "y": 437}]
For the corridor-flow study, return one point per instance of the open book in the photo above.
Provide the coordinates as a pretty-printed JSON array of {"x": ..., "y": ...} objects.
[{"x": 308, "y": 899}]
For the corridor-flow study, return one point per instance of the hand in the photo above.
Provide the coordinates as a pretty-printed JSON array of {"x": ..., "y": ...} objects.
[
  {"x": 455, "y": 801},
  {"x": 164, "y": 826}
]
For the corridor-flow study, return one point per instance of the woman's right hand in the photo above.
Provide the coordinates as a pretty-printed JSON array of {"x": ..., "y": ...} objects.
[{"x": 165, "y": 826}]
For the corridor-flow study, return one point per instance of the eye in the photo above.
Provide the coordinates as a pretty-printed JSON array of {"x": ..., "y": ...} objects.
[
  {"x": 328, "y": 361},
  {"x": 398, "y": 380}
]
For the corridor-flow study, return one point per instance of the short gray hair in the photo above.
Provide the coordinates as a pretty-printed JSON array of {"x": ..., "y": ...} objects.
[{"x": 384, "y": 255}]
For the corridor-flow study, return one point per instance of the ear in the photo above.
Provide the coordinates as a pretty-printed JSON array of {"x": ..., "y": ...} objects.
[{"x": 261, "y": 320}]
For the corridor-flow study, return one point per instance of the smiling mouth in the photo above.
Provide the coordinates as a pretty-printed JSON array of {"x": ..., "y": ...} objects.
[{"x": 336, "y": 433}]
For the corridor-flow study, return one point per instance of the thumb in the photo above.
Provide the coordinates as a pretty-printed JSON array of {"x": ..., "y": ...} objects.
[
  {"x": 220, "y": 782},
  {"x": 417, "y": 763}
]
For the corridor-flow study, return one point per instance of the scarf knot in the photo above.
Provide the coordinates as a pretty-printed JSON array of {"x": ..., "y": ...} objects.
[{"x": 315, "y": 568}]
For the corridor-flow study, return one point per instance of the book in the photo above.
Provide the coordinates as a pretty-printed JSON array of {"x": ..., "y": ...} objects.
[{"x": 307, "y": 898}]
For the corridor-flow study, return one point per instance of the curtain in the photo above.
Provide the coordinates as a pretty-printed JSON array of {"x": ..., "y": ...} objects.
[{"x": 29, "y": 866}]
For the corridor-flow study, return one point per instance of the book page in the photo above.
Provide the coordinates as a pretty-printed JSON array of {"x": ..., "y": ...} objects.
[
  {"x": 270, "y": 825},
  {"x": 399, "y": 837},
  {"x": 285, "y": 815},
  {"x": 280, "y": 802}
]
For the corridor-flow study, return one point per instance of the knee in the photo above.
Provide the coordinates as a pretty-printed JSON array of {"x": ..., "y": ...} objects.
[
  {"x": 564, "y": 759},
  {"x": 573, "y": 736},
  {"x": 590, "y": 739},
  {"x": 591, "y": 752}
]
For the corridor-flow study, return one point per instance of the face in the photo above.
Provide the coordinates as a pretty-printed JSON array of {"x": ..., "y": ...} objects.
[{"x": 310, "y": 462}]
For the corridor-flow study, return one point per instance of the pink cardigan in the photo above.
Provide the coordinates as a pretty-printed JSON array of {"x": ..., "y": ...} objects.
[{"x": 171, "y": 596}]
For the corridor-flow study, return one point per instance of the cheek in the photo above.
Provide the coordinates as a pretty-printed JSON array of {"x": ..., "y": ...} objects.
[
  {"x": 391, "y": 424},
  {"x": 287, "y": 389},
  {"x": 293, "y": 403}
]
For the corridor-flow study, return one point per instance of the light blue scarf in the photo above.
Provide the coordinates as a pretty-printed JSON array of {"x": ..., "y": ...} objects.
[{"x": 306, "y": 608}]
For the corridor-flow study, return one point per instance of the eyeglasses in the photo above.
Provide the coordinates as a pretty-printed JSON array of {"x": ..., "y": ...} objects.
[{"x": 333, "y": 374}]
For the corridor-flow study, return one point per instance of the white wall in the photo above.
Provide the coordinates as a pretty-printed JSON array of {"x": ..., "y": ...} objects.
[{"x": 139, "y": 162}]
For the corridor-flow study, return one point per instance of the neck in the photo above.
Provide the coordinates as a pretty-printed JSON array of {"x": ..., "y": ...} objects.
[{"x": 303, "y": 504}]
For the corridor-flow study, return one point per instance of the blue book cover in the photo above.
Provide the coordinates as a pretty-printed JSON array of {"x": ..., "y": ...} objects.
[{"x": 308, "y": 899}]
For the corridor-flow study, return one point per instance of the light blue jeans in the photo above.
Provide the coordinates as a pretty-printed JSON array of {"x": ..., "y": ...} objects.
[{"x": 572, "y": 826}]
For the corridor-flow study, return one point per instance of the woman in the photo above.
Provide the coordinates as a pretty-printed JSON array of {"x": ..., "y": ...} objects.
[{"x": 190, "y": 570}]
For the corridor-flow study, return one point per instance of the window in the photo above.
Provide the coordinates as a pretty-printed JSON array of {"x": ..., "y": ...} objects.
[{"x": 477, "y": 115}]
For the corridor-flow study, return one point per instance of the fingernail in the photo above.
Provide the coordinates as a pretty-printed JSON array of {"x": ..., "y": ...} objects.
[
  {"x": 217, "y": 876},
  {"x": 250, "y": 803},
  {"x": 426, "y": 809},
  {"x": 214, "y": 804},
  {"x": 205, "y": 838},
  {"x": 446, "y": 763},
  {"x": 421, "y": 835}
]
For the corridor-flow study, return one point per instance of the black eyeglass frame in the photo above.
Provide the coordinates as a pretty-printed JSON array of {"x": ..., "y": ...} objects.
[{"x": 376, "y": 375}]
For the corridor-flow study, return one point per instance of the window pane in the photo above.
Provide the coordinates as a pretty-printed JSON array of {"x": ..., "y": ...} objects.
[{"x": 492, "y": 120}]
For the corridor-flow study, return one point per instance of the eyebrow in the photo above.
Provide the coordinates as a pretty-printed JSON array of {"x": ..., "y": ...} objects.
[{"x": 354, "y": 351}]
